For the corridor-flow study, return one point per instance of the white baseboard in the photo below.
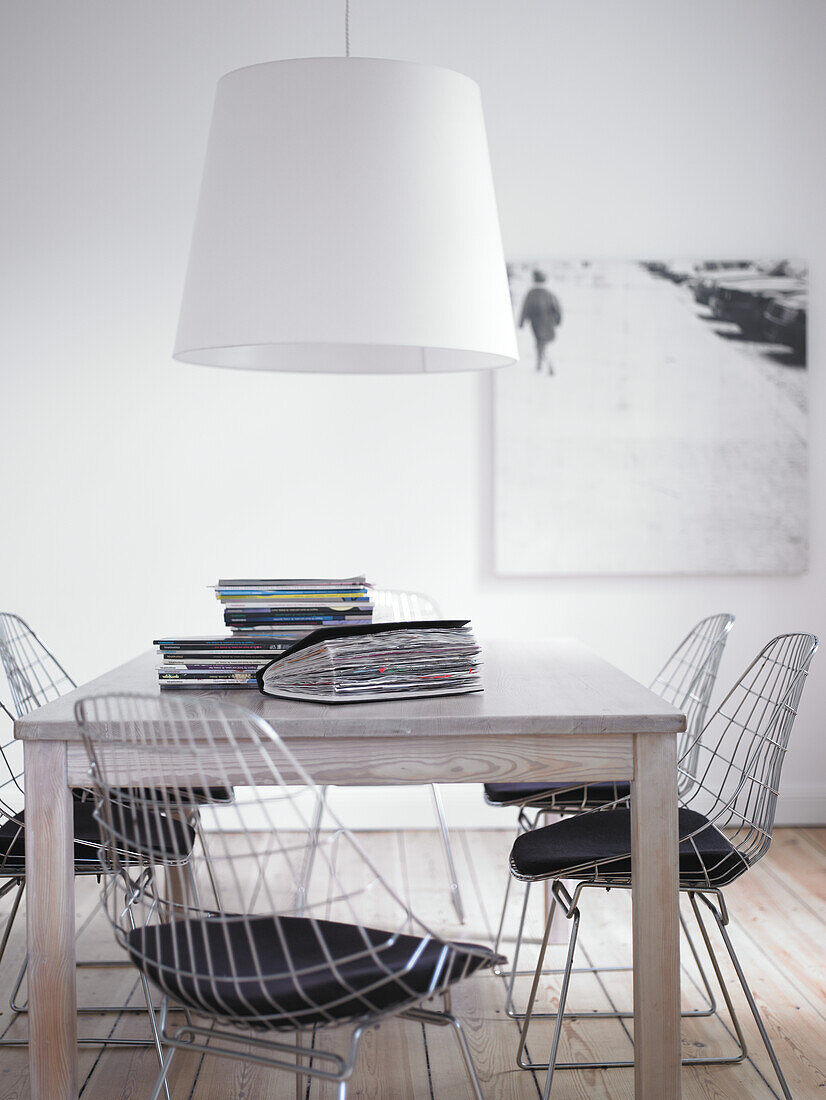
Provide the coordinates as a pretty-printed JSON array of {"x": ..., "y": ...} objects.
[
  {"x": 465, "y": 808},
  {"x": 801, "y": 805},
  {"x": 383, "y": 808},
  {"x": 412, "y": 807}
]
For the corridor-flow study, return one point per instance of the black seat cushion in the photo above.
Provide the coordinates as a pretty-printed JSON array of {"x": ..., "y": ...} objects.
[
  {"x": 585, "y": 838},
  {"x": 192, "y": 796},
  {"x": 551, "y": 795},
  {"x": 160, "y": 837},
  {"x": 247, "y": 959}
]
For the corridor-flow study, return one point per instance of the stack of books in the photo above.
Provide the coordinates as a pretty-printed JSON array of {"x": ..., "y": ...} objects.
[
  {"x": 290, "y": 609},
  {"x": 265, "y": 617},
  {"x": 383, "y": 661}
]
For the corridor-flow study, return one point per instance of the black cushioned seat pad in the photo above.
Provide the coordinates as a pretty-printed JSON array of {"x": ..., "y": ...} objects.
[
  {"x": 584, "y": 838},
  {"x": 200, "y": 796},
  {"x": 156, "y": 835},
  {"x": 555, "y": 794},
  {"x": 238, "y": 951}
]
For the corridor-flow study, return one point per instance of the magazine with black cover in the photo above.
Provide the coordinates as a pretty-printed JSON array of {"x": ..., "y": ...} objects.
[{"x": 358, "y": 664}]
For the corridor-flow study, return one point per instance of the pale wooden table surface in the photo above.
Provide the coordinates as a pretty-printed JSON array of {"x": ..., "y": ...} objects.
[{"x": 549, "y": 711}]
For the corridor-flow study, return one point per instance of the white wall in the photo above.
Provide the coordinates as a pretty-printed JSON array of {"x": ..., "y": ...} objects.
[{"x": 130, "y": 482}]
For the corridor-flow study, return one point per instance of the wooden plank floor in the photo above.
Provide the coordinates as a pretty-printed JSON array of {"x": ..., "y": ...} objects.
[{"x": 778, "y": 926}]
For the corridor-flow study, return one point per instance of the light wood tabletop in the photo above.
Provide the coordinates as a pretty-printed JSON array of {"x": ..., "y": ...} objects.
[{"x": 549, "y": 711}]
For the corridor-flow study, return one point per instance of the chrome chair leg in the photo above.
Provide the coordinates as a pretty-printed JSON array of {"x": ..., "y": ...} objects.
[
  {"x": 571, "y": 908},
  {"x": 523, "y": 1031},
  {"x": 514, "y": 973},
  {"x": 447, "y": 1019},
  {"x": 153, "y": 1023},
  {"x": 563, "y": 996},
  {"x": 693, "y": 1013},
  {"x": 459, "y": 1032},
  {"x": 160, "y": 1084},
  {"x": 497, "y": 970},
  {"x": 758, "y": 1019},
  {"x": 22, "y": 1009},
  {"x": 147, "y": 992},
  {"x": 447, "y": 848},
  {"x": 15, "y": 905},
  {"x": 741, "y": 1039},
  {"x": 315, "y": 832},
  {"x": 199, "y": 832}
]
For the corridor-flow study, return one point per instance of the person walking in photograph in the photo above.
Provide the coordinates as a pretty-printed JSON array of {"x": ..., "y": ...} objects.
[{"x": 544, "y": 312}]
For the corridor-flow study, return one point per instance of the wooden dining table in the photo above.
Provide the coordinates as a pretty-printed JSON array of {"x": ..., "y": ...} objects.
[{"x": 550, "y": 710}]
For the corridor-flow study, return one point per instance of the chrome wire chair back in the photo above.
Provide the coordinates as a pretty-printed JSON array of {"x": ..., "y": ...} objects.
[
  {"x": 687, "y": 678},
  {"x": 394, "y": 605},
  {"x": 732, "y": 775},
  {"x": 270, "y": 952},
  {"x": 34, "y": 673},
  {"x": 732, "y": 770}
]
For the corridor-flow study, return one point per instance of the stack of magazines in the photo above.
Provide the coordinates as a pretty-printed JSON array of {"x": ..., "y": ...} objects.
[
  {"x": 266, "y": 617},
  {"x": 228, "y": 661},
  {"x": 382, "y": 661},
  {"x": 290, "y": 609}
]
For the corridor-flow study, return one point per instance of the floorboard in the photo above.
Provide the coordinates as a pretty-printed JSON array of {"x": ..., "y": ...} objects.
[{"x": 778, "y": 925}]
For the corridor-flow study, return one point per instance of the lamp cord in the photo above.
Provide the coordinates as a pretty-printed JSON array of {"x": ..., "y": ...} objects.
[{"x": 346, "y": 28}]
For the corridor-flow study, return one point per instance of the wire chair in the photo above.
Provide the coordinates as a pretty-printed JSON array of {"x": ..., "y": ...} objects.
[
  {"x": 273, "y": 954},
  {"x": 13, "y": 877},
  {"x": 396, "y": 605},
  {"x": 37, "y": 677},
  {"x": 686, "y": 680},
  {"x": 730, "y": 776},
  {"x": 34, "y": 674}
]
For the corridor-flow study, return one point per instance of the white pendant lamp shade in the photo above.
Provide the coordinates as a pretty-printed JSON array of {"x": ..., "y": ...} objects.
[{"x": 347, "y": 223}]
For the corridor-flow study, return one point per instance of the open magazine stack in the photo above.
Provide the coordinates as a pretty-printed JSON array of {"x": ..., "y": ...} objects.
[
  {"x": 292, "y": 608},
  {"x": 383, "y": 661}
]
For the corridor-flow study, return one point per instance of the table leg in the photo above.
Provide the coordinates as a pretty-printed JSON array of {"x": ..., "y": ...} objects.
[
  {"x": 50, "y": 907},
  {"x": 656, "y": 917}
]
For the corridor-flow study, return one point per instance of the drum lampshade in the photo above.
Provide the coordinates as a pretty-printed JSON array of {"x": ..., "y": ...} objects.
[{"x": 347, "y": 222}]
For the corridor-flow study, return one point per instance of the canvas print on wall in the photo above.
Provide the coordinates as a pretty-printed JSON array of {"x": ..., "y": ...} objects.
[{"x": 656, "y": 421}]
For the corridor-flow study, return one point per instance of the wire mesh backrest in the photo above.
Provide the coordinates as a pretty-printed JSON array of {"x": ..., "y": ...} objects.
[
  {"x": 393, "y": 605},
  {"x": 35, "y": 675},
  {"x": 734, "y": 767},
  {"x": 688, "y": 676},
  {"x": 149, "y": 756}
]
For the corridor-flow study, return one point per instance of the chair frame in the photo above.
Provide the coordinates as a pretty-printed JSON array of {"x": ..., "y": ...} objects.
[
  {"x": 36, "y": 677},
  {"x": 152, "y": 730},
  {"x": 757, "y": 715},
  {"x": 687, "y": 680}
]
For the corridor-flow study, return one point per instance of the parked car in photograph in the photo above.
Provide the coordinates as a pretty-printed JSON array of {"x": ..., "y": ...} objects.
[
  {"x": 706, "y": 282},
  {"x": 785, "y": 322},
  {"x": 744, "y": 301},
  {"x": 680, "y": 271}
]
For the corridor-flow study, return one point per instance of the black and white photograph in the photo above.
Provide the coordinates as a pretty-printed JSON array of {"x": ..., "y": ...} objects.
[{"x": 657, "y": 419}]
